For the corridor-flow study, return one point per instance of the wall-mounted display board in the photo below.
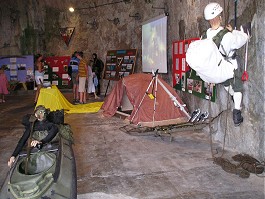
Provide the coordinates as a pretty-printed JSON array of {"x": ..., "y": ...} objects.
[
  {"x": 56, "y": 71},
  {"x": 20, "y": 69},
  {"x": 119, "y": 63},
  {"x": 186, "y": 79}
]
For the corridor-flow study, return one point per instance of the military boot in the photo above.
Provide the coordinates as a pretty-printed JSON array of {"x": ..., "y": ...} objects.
[
  {"x": 203, "y": 117},
  {"x": 237, "y": 117},
  {"x": 194, "y": 115}
]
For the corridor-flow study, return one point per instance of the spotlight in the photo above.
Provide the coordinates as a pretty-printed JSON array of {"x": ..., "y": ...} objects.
[{"x": 71, "y": 9}]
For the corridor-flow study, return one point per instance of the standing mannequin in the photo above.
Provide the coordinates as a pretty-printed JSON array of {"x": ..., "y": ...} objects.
[
  {"x": 97, "y": 69},
  {"x": 230, "y": 42}
]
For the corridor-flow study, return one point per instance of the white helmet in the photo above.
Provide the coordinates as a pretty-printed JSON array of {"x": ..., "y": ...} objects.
[{"x": 212, "y": 10}]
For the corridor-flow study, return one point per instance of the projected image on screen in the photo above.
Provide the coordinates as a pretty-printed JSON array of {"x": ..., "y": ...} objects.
[{"x": 154, "y": 45}]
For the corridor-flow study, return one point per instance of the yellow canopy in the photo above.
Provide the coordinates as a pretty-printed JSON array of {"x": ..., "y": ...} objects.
[{"x": 53, "y": 99}]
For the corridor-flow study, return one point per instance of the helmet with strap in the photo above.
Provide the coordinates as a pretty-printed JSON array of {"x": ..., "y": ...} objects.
[{"x": 212, "y": 10}]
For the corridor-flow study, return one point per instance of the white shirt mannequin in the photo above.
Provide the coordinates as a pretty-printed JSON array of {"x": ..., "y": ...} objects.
[{"x": 230, "y": 42}]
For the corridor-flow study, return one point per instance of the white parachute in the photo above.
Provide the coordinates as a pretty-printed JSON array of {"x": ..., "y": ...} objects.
[{"x": 204, "y": 57}]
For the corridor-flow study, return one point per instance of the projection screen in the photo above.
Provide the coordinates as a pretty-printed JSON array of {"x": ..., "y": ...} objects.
[{"x": 154, "y": 44}]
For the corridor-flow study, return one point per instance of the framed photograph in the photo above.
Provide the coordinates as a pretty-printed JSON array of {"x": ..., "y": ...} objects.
[
  {"x": 190, "y": 84},
  {"x": 113, "y": 74},
  {"x": 197, "y": 87},
  {"x": 55, "y": 83},
  {"x": 64, "y": 82},
  {"x": 55, "y": 69},
  {"x": 64, "y": 76},
  {"x": 123, "y": 67},
  {"x": 183, "y": 81},
  {"x": 129, "y": 66}
]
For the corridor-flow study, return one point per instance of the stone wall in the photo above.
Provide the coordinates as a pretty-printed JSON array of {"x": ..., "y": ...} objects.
[{"x": 32, "y": 26}]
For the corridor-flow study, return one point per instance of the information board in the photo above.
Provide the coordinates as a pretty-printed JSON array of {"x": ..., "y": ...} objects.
[
  {"x": 186, "y": 79},
  {"x": 119, "y": 63},
  {"x": 56, "y": 71},
  {"x": 19, "y": 68}
]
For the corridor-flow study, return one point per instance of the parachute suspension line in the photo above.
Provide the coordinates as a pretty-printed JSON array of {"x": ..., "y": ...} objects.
[
  {"x": 226, "y": 165},
  {"x": 211, "y": 129},
  {"x": 226, "y": 119},
  {"x": 223, "y": 162}
]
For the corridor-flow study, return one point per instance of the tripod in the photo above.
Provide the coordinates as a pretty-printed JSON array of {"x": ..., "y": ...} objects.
[{"x": 155, "y": 81}]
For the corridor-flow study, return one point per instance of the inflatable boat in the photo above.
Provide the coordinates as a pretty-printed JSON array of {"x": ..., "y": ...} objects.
[{"x": 50, "y": 173}]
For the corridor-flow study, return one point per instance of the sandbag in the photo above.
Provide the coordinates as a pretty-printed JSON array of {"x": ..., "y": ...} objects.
[
  {"x": 66, "y": 132},
  {"x": 204, "y": 57}
]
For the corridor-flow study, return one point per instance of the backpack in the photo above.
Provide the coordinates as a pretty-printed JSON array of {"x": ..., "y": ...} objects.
[
  {"x": 218, "y": 37},
  {"x": 204, "y": 57}
]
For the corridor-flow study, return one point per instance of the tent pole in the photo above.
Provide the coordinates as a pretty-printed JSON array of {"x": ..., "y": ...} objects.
[
  {"x": 172, "y": 97},
  {"x": 151, "y": 82},
  {"x": 175, "y": 101},
  {"x": 155, "y": 100},
  {"x": 107, "y": 89}
]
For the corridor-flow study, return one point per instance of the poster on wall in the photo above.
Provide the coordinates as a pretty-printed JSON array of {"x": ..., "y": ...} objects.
[
  {"x": 119, "y": 63},
  {"x": 19, "y": 69},
  {"x": 186, "y": 79},
  {"x": 56, "y": 71}
]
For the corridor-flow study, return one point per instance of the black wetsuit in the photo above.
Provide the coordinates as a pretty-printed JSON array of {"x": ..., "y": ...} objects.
[{"x": 44, "y": 125}]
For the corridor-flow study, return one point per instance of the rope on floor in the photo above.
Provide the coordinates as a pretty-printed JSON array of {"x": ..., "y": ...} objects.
[{"x": 246, "y": 164}]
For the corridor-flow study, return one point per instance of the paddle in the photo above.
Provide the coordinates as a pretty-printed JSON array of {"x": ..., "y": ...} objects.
[{"x": 32, "y": 120}]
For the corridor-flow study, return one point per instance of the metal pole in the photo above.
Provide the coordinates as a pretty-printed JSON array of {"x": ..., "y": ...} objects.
[
  {"x": 173, "y": 98},
  {"x": 156, "y": 78},
  {"x": 143, "y": 98},
  {"x": 235, "y": 13}
]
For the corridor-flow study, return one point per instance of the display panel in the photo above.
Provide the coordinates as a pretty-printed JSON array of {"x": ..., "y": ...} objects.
[
  {"x": 186, "y": 79},
  {"x": 19, "y": 68},
  {"x": 57, "y": 71},
  {"x": 119, "y": 63}
]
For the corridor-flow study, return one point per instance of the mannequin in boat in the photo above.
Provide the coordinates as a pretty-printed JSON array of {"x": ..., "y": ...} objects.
[{"x": 43, "y": 132}]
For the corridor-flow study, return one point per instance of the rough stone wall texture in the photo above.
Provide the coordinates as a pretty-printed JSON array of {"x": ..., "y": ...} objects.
[{"x": 32, "y": 26}]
